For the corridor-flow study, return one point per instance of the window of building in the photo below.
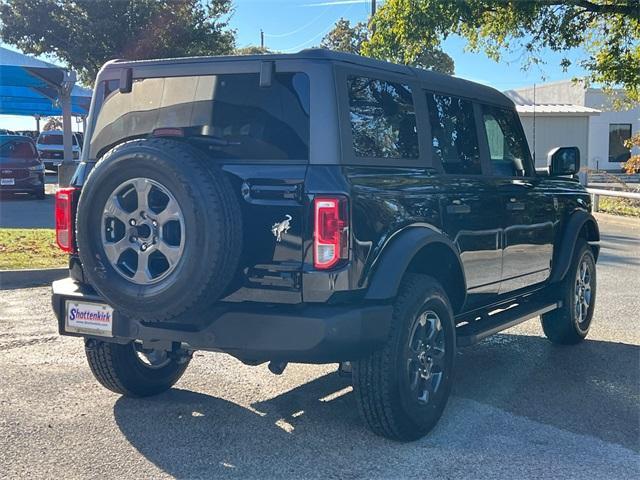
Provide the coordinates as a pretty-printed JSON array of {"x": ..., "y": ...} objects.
[
  {"x": 618, "y": 134},
  {"x": 454, "y": 138},
  {"x": 508, "y": 148},
  {"x": 383, "y": 120}
]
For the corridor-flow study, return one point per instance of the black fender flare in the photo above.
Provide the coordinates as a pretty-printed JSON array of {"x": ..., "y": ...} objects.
[
  {"x": 389, "y": 268},
  {"x": 564, "y": 252}
]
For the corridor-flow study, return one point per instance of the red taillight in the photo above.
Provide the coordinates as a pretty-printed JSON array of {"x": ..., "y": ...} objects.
[
  {"x": 331, "y": 232},
  {"x": 64, "y": 218}
]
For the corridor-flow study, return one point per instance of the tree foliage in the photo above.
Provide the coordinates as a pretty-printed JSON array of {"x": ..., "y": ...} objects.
[
  {"x": 87, "y": 33},
  {"x": 252, "y": 50},
  {"x": 607, "y": 30},
  {"x": 346, "y": 38},
  {"x": 52, "y": 123},
  {"x": 353, "y": 39},
  {"x": 633, "y": 164}
]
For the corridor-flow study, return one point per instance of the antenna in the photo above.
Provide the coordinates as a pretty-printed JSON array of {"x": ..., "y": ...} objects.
[{"x": 534, "y": 124}]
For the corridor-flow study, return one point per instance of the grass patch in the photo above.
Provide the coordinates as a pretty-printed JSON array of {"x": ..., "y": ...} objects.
[
  {"x": 620, "y": 206},
  {"x": 30, "y": 248}
]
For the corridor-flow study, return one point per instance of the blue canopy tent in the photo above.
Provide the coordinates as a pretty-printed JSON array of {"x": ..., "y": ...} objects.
[
  {"x": 32, "y": 87},
  {"x": 27, "y": 101}
]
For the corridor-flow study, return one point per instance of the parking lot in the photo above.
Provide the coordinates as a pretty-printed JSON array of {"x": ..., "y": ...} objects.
[
  {"x": 24, "y": 211},
  {"x": 521, "y": 407}
]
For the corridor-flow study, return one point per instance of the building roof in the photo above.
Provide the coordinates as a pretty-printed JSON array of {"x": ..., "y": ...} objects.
[{"x": 556, "y": 109}]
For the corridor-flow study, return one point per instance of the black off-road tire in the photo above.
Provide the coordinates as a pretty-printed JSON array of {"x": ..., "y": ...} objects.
[
  {"x": 212, "y": 230},
  {"x": 383, "y": 399},
  {"x": 118, "y": 368},
  {"x": 562, "y": 326}
]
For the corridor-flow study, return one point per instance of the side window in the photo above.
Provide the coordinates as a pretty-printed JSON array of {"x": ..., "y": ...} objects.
[
  {"x": 454, "y": 137},
  {"x": 508, "y": 147},
  {"x": 383, "y": 119}
]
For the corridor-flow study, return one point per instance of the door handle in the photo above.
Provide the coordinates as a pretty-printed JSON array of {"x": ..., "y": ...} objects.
[
  {"x": 458, "y": 208},
  {"x": 515, "y": 205}
]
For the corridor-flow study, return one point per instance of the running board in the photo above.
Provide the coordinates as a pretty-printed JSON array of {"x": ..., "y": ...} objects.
[{"x": 487, "y": 324}]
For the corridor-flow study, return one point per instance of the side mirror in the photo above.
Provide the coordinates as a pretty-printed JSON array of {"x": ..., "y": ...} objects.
[{"x": 563, "y": 161}]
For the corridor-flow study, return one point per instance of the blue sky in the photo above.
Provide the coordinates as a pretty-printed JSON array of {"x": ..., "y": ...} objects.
[{"x": 292, "y": 25}]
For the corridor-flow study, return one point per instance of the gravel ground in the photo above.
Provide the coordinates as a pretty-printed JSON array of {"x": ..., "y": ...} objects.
[{"x": 521, "y": 407}]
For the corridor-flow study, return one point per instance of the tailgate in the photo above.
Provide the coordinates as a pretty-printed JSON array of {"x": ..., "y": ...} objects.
[{"x": 274, "y": 221}]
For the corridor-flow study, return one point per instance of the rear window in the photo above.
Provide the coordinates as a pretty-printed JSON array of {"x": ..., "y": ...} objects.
[
  {"x": 230, "y": 114},
  {"x": 383, "y": 119},
  {"x": 17, "y": 150},
  {"x": 53, "y": 139}
]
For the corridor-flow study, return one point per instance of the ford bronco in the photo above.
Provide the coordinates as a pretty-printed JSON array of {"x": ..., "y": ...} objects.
[{"x": 317, "y": 207}]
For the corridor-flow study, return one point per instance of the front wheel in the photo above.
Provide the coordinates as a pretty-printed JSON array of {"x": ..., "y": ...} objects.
[
  {"x": 132, "y": 370},
  {"x": 402, "y": 389},
  {"x": 570, "y": 323}
]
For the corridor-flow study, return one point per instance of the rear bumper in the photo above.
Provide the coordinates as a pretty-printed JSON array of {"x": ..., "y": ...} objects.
[{"x": 305, "y": 333}]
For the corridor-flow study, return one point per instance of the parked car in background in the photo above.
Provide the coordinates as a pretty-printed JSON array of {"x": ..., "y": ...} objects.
[
  {"x": 21, "y": 170},
  {"x": 51, "y": 148}
]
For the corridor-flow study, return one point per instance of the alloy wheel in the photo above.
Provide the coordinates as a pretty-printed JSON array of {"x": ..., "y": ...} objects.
[{"x": 142, "y": 231}]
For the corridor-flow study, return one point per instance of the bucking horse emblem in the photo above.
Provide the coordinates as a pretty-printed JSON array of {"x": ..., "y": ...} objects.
[{"x": 280, "y": 228}]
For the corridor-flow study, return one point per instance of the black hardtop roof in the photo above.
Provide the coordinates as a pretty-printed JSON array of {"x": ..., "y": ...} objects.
[{"x": 434, "y": 80}]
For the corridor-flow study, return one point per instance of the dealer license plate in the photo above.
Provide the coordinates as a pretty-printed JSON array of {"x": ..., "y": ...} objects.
[
  {"x": 7, "y": 181},
  {"x": 89, "y": 318}
]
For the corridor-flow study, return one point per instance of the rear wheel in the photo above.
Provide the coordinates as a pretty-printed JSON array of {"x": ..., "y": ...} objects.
[
  {"x": 402, "y": 389},
  {"x": 131, "y": 370},
  {"x": 570, "y": 323}
]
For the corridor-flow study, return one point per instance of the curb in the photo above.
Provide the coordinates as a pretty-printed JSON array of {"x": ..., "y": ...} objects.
[
  {"x": 12, "y": 279},
  {"x": 619, "y": 219}
]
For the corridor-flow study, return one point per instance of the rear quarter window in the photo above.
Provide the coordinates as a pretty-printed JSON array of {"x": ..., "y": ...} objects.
[
  {"x": 231, "y": 114},
  {"x": 383, "y": 119}
]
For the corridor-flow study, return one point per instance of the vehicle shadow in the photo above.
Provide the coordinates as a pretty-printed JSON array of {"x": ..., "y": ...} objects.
[{"x": 589, "y": 389}]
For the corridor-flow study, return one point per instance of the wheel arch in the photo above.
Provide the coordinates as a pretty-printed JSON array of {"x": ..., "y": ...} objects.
[
  {"x": 418, "y": 250},
  {"x": 580, "y": 225}
]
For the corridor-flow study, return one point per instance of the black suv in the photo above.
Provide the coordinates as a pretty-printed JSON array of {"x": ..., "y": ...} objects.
[{"x": 317, "y": 207}]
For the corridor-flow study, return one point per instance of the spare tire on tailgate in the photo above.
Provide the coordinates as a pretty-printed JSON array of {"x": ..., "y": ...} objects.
[{"x": 158, "y": 230}]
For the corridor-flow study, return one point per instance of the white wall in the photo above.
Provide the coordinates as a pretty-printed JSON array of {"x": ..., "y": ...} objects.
[
  {"x": 599, "y": 129},
  {"x": 556, "y": 131},
  {"x": 563, "y": 92}
]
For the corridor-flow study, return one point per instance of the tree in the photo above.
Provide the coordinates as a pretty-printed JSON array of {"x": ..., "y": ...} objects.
[
  {"x": 351, "y": 39},
  {"x": 53, "y": 123},
  {"x": 252, "y": 50},
  {"x": 633, "y": 164},
  {"x": 607, "y": 30},
  {"x": 345, "y": 38},
  {"x": 86, "y": 33}
]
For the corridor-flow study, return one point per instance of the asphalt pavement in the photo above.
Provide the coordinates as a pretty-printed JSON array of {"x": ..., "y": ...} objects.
[
  {"x": 521, "y": 407},
  {"x": 24, "y": 211}
]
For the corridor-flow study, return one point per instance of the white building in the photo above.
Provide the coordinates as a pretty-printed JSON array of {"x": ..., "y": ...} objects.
[{"x": 567, "y": 114}]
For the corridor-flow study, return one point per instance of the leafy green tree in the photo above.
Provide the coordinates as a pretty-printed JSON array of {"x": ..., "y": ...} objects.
[
  {"x": 607, "y": 30},
  {"x": 345, "y": 38},
  {"x": 252, "y": 50},
  {"x": 87, "y": 33},
  {"x": 351, "y": 39}
]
